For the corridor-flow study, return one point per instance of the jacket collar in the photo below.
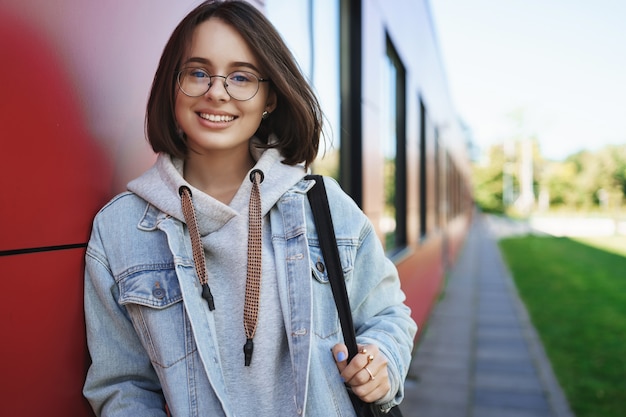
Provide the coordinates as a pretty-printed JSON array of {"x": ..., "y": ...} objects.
[{"x": 160, "y": 184}]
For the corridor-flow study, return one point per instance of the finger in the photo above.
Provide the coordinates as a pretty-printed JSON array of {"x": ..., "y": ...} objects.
[
  {"x": 366, "y": 375},
  {"x": 366, "y": 357},
  {"x": 340, "y": 353},
  {"x": 375, "y": 387},
  {"x": 370, "y": 374},
  {"x": 373, "y": 359},
  {"x": 371, "y": 381}
]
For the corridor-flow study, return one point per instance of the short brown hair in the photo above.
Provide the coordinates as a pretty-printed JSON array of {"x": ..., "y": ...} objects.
[{"x": 297, "y": 119}]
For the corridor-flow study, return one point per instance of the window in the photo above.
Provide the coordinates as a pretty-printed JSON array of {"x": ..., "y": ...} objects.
[
  {"x": 393, "y": 142},
  {"x": 311, "y": 30}
]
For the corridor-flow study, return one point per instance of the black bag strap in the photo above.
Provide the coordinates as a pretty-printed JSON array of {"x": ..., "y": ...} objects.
[{"x": 328, "y": 243}]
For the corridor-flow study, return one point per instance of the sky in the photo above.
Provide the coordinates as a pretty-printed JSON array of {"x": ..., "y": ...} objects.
[{"x": 554, "y": 70}]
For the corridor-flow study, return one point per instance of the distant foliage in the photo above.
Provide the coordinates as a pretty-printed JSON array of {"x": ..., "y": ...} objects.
[
  {"x": 588, "y": 180},
  {"x": 488, "y": 184},
  {"x": 585, "y": 181}
]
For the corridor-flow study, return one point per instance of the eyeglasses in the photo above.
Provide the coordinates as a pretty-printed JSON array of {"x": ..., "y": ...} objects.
[{"x": 240, "y": 85}]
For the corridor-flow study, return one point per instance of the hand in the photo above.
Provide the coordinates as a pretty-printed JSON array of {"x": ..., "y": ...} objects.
[{"x": 366, "y": 374}]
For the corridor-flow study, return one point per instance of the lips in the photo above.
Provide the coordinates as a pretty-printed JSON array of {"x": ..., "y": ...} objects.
[{"x": 216, "y": 118}]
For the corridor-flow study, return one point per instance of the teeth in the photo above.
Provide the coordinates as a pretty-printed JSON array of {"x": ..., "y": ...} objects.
[{"x": 216, "y": 117}]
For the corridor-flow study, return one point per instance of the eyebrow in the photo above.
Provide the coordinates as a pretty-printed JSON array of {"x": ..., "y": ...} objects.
[{"x": 205, "y": 61}]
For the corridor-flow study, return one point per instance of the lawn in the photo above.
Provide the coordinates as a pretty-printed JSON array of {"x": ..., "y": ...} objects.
[{"x": 576, "y": 296}]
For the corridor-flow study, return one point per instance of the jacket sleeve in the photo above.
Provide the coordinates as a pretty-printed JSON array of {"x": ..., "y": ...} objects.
[
  {"x": 121, "y": 380},
  {"x": 376, "y": 299}
]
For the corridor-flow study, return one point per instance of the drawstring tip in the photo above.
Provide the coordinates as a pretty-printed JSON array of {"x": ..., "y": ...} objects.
[
  {"x": 247, "y": 351},
  {"x": 206, "y": 294}
]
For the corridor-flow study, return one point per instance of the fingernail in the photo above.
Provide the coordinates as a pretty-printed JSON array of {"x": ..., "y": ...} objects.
[{"x": 341, "y": 356}]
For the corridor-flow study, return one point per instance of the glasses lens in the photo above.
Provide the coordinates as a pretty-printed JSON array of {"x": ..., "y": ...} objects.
[
  {"x": 242, "y": 85},
  {"x": 194, "y": 82}
]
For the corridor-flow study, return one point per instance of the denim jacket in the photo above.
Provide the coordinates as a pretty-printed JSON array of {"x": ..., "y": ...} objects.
[{"x": 152, "y": 337}]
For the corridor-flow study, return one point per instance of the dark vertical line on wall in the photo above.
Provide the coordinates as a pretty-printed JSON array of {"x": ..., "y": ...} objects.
[
  {"x": 422, "y": 171},
  {"x": 438, "y": 175},
  {"x": 401, "y": 155},
  {"x": 351, "y": 152}
]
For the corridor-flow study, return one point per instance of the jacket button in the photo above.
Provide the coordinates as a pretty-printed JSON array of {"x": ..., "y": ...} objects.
[
  {"x": 320, "y": 266},
  {"x": 158, "y": 293}
]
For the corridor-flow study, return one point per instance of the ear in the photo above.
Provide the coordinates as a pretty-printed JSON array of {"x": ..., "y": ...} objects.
[{"x": 271, "y": 102}]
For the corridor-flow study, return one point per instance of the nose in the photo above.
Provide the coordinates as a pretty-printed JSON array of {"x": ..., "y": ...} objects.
[{"x": 219, "y": 92}]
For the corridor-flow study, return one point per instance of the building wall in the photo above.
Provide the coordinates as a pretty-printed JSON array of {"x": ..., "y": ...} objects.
[{"x": 77, "y": 76}]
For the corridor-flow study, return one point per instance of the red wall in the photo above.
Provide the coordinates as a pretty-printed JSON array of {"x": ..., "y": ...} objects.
[
  {"x": 423, "y": 272},
  {"x": 422, "y": 276},
  {"x": 53, "y": 179}
]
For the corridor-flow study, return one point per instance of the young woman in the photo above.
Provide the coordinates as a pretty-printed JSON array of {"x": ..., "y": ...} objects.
[{"x": 204, "y": 292}]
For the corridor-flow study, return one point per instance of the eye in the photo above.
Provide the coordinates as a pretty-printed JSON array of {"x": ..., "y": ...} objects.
[
  {"x": 197, "y": 73},
  {"x": 241, "y": 77}
]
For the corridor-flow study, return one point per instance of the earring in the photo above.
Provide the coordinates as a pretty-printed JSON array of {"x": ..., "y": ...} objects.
[{"x": 265, "y": 115}]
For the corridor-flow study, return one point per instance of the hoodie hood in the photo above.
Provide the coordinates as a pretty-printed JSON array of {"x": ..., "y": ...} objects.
[{"x": 160, "y": 184}]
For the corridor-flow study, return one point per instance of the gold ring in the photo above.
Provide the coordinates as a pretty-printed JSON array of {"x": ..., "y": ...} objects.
[
  {"x": 370, "y": 358},
  {"x": 363, "y": 351},
  {"x": 370, "y": 372}
]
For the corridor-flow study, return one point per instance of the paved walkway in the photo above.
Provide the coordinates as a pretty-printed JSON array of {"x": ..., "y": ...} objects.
[{"x": 480, "y": 356}]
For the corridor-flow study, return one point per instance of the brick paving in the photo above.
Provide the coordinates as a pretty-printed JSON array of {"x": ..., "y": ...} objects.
[{"x": 480, "y": 356}]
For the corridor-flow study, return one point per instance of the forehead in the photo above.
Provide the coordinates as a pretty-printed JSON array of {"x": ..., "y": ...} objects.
[{"x": 220, "y": 44}]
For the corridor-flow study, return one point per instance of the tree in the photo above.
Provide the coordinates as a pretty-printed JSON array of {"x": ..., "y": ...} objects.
[
  {"x": 488, "y": 181},
  {"x": 587, "y": 180},
  {"x": 584, "y": 181}
]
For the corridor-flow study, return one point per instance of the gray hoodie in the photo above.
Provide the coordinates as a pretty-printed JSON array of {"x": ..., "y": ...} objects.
[{"x": 224, "y": 233}]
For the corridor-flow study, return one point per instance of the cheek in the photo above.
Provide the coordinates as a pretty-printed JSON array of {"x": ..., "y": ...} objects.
[
  {"x": 179, "y": 105},
  {"x": 254, "y": 115},
  {"x": 258, "y": 106}
]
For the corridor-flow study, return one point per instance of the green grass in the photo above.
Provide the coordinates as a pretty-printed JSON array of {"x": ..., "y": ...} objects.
[{"x": 576, "y": 297}]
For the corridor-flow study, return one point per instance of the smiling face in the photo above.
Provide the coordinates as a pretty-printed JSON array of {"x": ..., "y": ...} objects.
[{"x": 215, "y": 122}]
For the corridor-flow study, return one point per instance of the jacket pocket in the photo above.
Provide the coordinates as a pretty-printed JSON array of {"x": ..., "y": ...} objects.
[
  {"x": 154, "y": 301},
  {"x": 325, "y": 317},
  {"x": 318, "y": 265}
]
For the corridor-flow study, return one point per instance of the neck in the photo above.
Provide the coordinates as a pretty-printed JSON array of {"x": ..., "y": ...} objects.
[{"x": 218, "y": 175}]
